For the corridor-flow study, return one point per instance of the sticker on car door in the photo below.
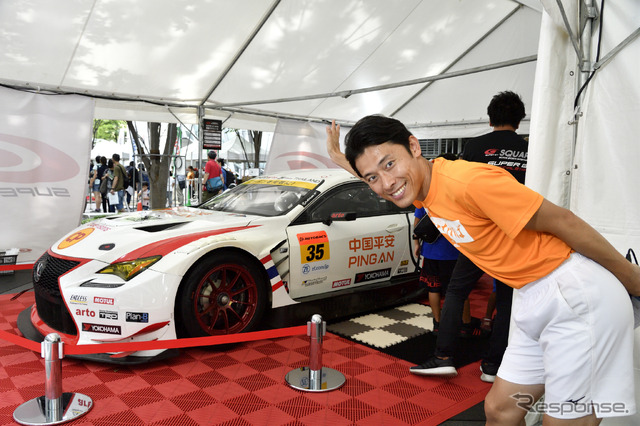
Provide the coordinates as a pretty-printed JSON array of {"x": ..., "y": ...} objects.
[{"x": 314, "y": 247}]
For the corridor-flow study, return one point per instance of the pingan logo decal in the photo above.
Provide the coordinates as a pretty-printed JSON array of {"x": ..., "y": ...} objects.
[
  {"x": 75, "y": 238},
  {"x": 25, "y": 160}
]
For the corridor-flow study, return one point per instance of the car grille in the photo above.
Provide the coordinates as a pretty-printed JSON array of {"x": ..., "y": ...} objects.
[{"x": 49, "y": 304}]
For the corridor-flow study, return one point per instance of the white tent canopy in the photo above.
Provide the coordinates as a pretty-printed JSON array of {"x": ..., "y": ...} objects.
[{"x": 432, "y": 64}]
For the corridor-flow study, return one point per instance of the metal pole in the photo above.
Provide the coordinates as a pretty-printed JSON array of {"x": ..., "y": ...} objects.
[
  {"x": 54, "y": 407},
  {"x": 53, "y": 377},
  {"x": 315, "y": 378},
  {"x": 315, "y": 353}
]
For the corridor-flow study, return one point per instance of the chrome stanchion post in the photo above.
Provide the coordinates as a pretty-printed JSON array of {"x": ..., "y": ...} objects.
[
  {"x": 315, "y": 330},
  {"x": 315, "y": 378},
  {"x": 54, "y": 407},
  {"x": 52, "y": 354}
]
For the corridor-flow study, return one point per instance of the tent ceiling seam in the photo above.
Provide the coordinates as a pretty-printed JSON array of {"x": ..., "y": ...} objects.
[
  {"x": 372, "y": 52},
  {"x": 347, "y": 93},
  {"x": 459, "y": 58},
  {"x": 240, "y": 52},
  {"x": 75, "y": 48}
]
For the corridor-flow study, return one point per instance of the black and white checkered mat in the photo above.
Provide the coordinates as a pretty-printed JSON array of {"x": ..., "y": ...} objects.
[{"x": 387, "y": 328}]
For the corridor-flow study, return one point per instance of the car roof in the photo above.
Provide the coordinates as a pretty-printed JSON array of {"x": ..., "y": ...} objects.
[{"x": 331, "y": 177}]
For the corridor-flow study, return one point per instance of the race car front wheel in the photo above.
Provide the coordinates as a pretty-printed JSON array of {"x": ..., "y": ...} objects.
[{"x": 223, "y": 294}]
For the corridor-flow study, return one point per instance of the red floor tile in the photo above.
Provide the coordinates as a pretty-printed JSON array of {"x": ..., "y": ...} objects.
[{"x": 242, "y": 384}]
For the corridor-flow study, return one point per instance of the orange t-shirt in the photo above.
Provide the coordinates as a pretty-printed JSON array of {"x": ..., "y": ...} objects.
[{"x": 482, "y": 210}]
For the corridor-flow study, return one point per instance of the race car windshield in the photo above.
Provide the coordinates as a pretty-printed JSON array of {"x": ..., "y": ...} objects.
[{"x": 258, "y": 199}]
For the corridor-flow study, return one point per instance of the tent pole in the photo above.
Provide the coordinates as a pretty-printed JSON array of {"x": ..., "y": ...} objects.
[
  {"x": 459, "y": 58},
  {"x": 347, "y": 93},
  {"x": 586, "y": 17},
  {"x": 572, "y": 37},
  {"x": 200, "y": 148}
]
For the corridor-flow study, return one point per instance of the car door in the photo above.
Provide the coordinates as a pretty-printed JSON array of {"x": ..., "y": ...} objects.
[{"x": 329, "y": 256}]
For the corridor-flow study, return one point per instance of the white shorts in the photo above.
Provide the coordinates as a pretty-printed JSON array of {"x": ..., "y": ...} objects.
[{"x": 573, "y": 332}]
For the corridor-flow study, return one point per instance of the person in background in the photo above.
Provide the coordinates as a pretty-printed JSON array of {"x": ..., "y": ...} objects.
[
  {"x": 213, "y": 180},
  {"x": 170, "y": 186},
  {"x": 438, "y": 260},
  {"x": 225, "y": 179},
  {"x": 132, "y": 175},
  {"x": 95, "y": 183},
  {"x": 144, "y": 196},
  {"x": 504, "y": 148},
  {"x": 108, "y": 183},
  {"x": 117, "y": 187}
]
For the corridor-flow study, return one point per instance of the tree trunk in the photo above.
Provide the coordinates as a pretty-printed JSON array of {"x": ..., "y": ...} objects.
[
  {"x": 257, "y": 143},
  {"x": 157, "y": 164}
]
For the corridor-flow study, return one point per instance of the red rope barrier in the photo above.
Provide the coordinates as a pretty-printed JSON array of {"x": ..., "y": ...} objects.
[
  {"x": 20, "y": 341},
  {"x": 16, "y": 267},
  {"x": 160, "y": 344}
]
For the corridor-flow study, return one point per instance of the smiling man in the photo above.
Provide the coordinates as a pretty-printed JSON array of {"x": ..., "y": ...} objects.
[{"x": 573, "y": 333}]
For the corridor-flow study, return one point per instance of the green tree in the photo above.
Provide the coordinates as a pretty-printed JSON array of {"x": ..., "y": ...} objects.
[{"x": 106, "y": 129}]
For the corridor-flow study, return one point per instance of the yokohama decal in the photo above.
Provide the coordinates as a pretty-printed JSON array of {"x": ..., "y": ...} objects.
[
  {"x": 373, "y": 275},
  {"x": 101, "y": 328}
]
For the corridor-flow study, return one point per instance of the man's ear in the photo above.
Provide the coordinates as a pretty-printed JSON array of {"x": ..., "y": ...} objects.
[{"x": 414, "y": 146}]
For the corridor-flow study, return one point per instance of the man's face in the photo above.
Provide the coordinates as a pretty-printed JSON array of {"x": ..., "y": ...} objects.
[{"x": 393, "y": 173}]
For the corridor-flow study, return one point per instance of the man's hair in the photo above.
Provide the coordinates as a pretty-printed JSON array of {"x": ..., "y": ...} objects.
[
  {"x": 103, "y": 160},
  {"x": 374, "y": 130},
  {"x": 506, "y": 108},
  {"x": 448, "y": 156},
  {"x": 116, "y": 157},
  {"x": 212, "y": 155}
]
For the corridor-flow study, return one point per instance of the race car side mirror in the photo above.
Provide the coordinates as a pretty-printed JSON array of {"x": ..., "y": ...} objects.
[{"x": 339, "y": 216}]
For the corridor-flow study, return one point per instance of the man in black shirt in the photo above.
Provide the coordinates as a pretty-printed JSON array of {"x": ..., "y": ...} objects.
[{"x": 503, "y": 148}]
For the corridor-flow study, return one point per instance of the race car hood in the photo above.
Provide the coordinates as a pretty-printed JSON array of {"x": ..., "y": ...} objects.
[{"x": 126, "y": 236}]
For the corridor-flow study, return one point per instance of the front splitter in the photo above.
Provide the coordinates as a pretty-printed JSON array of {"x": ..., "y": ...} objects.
[{"x": 30, "y": 332}]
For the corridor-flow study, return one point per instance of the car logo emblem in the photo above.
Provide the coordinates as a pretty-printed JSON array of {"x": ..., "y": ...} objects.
[{"x": 38, "y": 270}]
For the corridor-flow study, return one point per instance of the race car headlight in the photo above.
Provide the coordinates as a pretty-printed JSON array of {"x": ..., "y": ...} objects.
[{"x": 130, "y": 268}]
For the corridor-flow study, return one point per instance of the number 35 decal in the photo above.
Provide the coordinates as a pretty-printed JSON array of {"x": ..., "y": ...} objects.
[{"x": 314, "y": 246}]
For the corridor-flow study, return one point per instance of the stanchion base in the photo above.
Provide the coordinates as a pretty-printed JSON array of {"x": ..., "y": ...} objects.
[
  {"x": 299, "y": 379},
  {"x": 32, "y": 412}
]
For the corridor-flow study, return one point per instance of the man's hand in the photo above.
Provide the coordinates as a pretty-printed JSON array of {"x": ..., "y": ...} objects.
[
  {"x": 581, "y": 237},
  {"x": 632, "y": 283},
  {"x": 416, "y": 247},
  {"x": 333, "y": 148}
]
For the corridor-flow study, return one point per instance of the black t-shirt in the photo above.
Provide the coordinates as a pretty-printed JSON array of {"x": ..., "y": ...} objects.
[
  {"x": 502, "y": 148},
  {"x": 102, "y": 169}
]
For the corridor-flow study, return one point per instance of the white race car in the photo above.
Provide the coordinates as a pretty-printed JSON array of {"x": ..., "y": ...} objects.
[{"x": 315, "y": 236}]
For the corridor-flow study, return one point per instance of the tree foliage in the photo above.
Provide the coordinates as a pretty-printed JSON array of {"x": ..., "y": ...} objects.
[{"x": 106, "y": 129}]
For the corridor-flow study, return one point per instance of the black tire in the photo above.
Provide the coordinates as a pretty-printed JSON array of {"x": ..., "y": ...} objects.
[{"x": 224, "y": 293}]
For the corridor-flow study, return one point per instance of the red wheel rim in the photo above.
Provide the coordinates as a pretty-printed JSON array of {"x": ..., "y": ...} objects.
[{"x": 225, "y": 300}]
